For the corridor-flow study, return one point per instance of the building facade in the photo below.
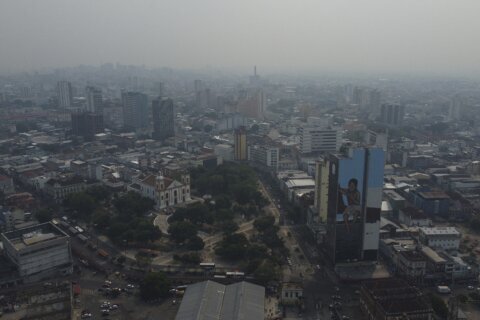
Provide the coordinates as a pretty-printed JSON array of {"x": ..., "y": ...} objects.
[
  {"x": 94, "y": 100},
  {"x": 446, "y": 238},
  {"x": 64, "y": 94},
  {"x": 240, "y": 144},
  {"x": 39, "y": 251},
  {"x": 135, "y": 110},
  {"x": 392, "y": 114},
  {"x": 87, "y": 125},
  {"x": 315, "y": 139},
  {"x": 264, "y": 155},
  {"x": 355, "y": 185},
  {"x": 163, "y": 119}
]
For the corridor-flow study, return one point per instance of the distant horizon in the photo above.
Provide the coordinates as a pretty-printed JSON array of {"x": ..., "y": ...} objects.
[{"x": 430, "y": 37}]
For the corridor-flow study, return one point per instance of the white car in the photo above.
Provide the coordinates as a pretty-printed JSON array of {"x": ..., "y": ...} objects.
[{"x": 114, "y": 307}]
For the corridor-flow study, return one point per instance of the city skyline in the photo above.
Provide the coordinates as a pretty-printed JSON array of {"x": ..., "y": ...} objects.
[{"x": 312, "y": 36}]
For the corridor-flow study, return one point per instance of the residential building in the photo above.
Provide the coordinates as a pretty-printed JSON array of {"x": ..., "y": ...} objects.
[
  {"x": 64, "y": 94},
  {"x": 240, "y": 143},
  {"x": 393, "y": 299},
  {"x": 94, "y": 100},
  {"x": 392, "y": 114},
  {"x": 212, "y": 300},
  {"x": 135, "y": 110},
  {"x": 354, "y": 204},
  {"x": 411, "y": 265},
  {"x": 165, "y": 191},
  {"x": 163, "y": 119},
  {"x": 39, "y": 252},
  {"x": 317, "y": 139},
  {"x": 446, "y": 238}
]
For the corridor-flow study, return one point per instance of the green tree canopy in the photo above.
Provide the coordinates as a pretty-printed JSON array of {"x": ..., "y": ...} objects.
[
  {"x": 44, "y": 215},
  {"x": 182, "y": 230},
  {"x": 155, "y": 285}
]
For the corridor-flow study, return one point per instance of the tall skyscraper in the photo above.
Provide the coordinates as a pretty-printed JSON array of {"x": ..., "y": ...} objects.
[
  {"x": 455, "y": 108},
  {"x": 65, "y": 94},
  {"x": 94, "y": 100},
  {"x": 392, "y": 114},
  {"x": 163, "y": 119},
  {"x": 135, "y": 110},
  {"x": 322, "y": 170},
  {"x": 354, "y": 203},
  {"x": 240, "y": 137}
]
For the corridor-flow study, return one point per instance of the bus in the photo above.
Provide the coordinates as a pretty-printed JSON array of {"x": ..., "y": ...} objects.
[
  {"x": 72, "y": 230},
  {"x": 207, "y": 265},
  {"x": 235, "y": 274}
]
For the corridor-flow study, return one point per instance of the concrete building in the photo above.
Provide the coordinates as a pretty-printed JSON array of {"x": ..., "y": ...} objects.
[
  {"x": 94, "y": 100},
  {"x": 163, "y": 117},
  {"x": 39, "y": 252},
  {"x": 315, "y": 139},
  {"x": 321, "y": 190},
  {"x": 64, "y": 94},
  {"x": 240, "y": 143},
  {"x": 411, "y": 265},
  {"x": 135, "y": 110},
  {"x": 60, "y": 188},
  {"x": 446, "y": 238},
  {"x": 392, "y": 114},
  {"x": 412, "y": 217},
  {"x": 224, "y": 151},
  {"x": 212, "y": 300},
  {"x": 431, "y": 202},
  {"x": 292, "y": 293},
  {"x": 264, "y": 155},
  {"x": 393, "y": 299}
]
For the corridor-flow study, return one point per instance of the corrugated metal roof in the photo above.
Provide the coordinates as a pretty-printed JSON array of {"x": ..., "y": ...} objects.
[{"x": 210, "y": 300}]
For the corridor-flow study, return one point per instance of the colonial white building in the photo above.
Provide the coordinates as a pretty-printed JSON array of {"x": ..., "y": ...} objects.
[
  {"x": 165, "y": 191},
  {"x": 446, "y": 238}
]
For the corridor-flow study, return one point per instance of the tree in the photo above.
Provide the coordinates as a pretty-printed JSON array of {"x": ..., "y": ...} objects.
[
  {"x": 264, "y": 222},
  {"x": 195, "y": 243},
  {"x": 223, "y": 201},
  {"x": 44, "y": 215},
  {"x": 155, "y": 285},
  {"x": 188, "y": 258},
  {"x": 439, "y": 306},
  {"x": 99, "y": 193},
  {"x": 475, "y": 224},
  {"x": 133, "y": 203},
  {"x": 101, "y": 218},
  {"x": 182, "y": 230},
  {"x": 266, "y": 272},
  {"x": 81, "y": 203},
  {"x": 233, "y": 247},
  {"x": 228, "y": 227}
]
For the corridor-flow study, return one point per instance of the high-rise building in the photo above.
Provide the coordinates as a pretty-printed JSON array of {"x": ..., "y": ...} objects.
[
  {"x": 392, "y": 114},
  {"x": 319, "y": 139},
  {"x": 321, "y": 190},
  {"x": 135, "y": 110},
  {"x": 240, "y": 137},
  {"x": 65, "y": 94},
  {"x": 354, "y": 186},
  {"x": 87, "y": 124},
  {"x": 253, "y": 104},
  {"x": 163, "y": 119},
  {"x": 455, "y": 108},
  {"x": 94, "y": 100}
]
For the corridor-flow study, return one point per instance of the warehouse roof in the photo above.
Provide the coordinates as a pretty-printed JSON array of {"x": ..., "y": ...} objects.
[{"x": 210, "y": 300}]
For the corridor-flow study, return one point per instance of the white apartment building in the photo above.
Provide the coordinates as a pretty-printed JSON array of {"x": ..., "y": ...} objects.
[
  {"x": 319, "y": 139},
  {"x": 39, "y": 251},
  {"x": 446, "y": 238},
  {"x": 264, "y": 155}
]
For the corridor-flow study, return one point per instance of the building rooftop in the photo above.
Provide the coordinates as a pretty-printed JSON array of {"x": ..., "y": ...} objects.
[
  {"x": 433, "y": 255},
  {"x": 300, "y": 183},
  {"x": 30, "y": 236},
  {"x": 440, "y": 231},
  {"x": 433, "y": 195},
  {"x": 209, "y": 300}
]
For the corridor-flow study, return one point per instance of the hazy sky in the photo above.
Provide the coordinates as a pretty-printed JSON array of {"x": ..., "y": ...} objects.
[{"x": 439, "y": 36}]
